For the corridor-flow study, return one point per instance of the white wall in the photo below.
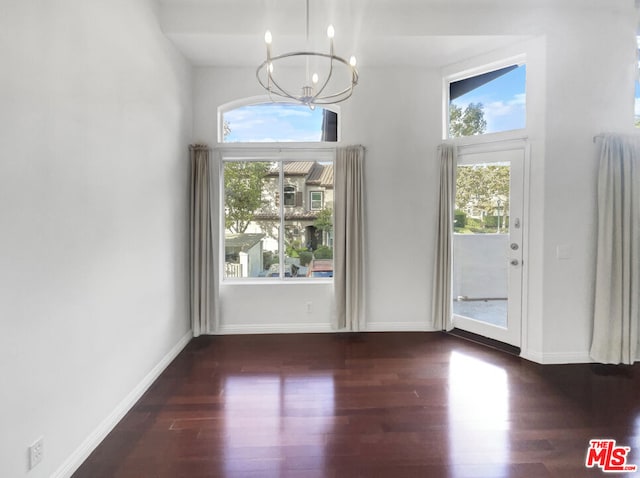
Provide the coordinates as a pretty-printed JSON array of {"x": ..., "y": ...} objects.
[
  {"x": 591, "y": 60},
  {"x": 580, "y": 65},
  {"x": 94, "y": 127}
]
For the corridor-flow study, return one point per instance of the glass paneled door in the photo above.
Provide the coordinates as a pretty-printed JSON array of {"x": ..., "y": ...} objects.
[{"x": 487, "y": 244}]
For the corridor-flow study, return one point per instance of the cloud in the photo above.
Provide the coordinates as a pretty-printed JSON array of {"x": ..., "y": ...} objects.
[
  {"x": 274, "y": 122},
  {"x": 505, "y": 108},
  {"x": 303, "y": 112}
]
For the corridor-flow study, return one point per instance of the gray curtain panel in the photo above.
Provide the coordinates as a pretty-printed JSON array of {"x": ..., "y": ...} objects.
[
  {"x": 349, "y": 240},
  {"x": 443, "y": 266},
  {"x": 202, "y": 245},
  {"x": 617, "y": 290}
]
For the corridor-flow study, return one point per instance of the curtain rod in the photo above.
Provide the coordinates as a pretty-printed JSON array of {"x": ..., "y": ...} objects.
[{"x": 628, "y": 135}]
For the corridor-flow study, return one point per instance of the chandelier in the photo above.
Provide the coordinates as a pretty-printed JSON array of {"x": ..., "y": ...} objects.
[{"x": 333, "y": 82}]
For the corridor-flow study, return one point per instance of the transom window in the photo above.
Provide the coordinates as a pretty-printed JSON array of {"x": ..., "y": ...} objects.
[
  {"x": 278, "y": 122},
  {"x": 636, "y": 99},
  {"x": 491, "y": 101}
]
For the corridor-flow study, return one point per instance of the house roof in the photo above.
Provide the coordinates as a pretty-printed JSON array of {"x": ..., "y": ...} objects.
[
  {"x": 298, "y": 168},
  {"x": 317, "y": 174},
  {"x": 293, "y": 168},
  {"x": 321, "y": 175},
  {"x": 242, "y": 242}
]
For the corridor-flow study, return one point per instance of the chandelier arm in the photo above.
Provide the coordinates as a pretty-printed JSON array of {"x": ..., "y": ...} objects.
[
  {"x": 330, "y": 70},
  {"x": 279, "y": 90},
  {"x": 335, "y": 98},
  {"x": 273, "y": 87},
  {"x": 326, "y": 82}
]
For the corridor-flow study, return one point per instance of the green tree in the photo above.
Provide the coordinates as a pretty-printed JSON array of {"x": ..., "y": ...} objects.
[
  {"x": 324, "y": 221},
  {"x": 243, "y": 184},
  {"x": 468, "y": 122},
  {"x": 484, "y": 187},
  {"x": 323, "y": 252}
]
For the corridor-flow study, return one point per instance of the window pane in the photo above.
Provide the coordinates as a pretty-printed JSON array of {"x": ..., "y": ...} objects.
[
  {"x": 316, "y": 200},
  {"x": 636, "y": 99},
  {"x": 309, "y": 229},
  {"x": 254, "y": 219},
  {"x": 251, "y": 219},
  {"x": 279, "y": 122},
  {"x": 488, "y": 103},
  {"x": 481, "y": 242}
]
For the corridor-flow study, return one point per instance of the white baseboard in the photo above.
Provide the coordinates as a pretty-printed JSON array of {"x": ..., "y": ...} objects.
[
  {"x": 567, "y": 357},
  {"x": 318, "y": 328},
  {"x": 557, "y": 358},
  {"x": 239, "y": 329},
  {"x": 76, "y": 459},
  {"x": 399, "y": 327},
  {"x": 532, "y": 356}
]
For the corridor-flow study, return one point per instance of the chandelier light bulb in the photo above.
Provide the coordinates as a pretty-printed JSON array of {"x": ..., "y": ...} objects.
[
  {"x": 268, "y": 38},
  {"x": 270, "y": 67},
  {"x": 352, "y": 61},
  {"x": 314, "y": 78},
  {"x": 331, "y": 31}
]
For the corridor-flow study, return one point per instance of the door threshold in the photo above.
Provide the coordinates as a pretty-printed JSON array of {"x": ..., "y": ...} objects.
[{"x": 479, "y": 339}]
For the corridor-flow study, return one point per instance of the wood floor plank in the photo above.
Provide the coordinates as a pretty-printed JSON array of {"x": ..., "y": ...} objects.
[{"x": 368, "y": 405}]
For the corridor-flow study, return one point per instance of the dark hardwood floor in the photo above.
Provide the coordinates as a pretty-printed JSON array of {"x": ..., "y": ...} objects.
[{"x": 368, "y": 405}]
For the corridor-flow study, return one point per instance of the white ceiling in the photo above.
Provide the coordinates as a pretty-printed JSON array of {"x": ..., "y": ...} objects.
[{"x": 378, "y": 32}]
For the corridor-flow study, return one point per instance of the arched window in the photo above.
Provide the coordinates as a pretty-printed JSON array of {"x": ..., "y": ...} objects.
[
  {"x": 277, "y": 200},
  {"x": 257, "y": 121}
]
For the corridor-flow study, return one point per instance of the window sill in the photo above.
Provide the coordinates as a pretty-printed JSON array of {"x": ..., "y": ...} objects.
[{"x": 274, "y": 282}]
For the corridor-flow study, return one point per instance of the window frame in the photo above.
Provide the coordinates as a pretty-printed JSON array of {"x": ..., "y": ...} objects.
[
  {"x": 311, "y": 200},
  {"x": 289, "y": 192},
  {"x": 240, "y": 152},
  {"x": 452, "y": 75}
]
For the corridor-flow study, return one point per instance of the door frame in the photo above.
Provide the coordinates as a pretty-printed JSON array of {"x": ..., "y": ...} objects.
[{"x": 499, "y": 145}]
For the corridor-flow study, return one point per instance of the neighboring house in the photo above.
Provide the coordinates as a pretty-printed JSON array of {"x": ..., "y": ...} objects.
[
  {"x": 308, "y": 189},
  {"x": 243, "y": 255}
]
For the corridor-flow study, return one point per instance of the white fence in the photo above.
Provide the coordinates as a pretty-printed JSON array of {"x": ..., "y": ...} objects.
[{"x": 232, "y": 270}]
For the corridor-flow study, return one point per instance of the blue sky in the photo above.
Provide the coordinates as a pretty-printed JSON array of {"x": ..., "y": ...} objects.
[
  {"x": 274, "y": 122},
  {"x": 504, "y": 101},
  {"x": 637, "y": 99}
]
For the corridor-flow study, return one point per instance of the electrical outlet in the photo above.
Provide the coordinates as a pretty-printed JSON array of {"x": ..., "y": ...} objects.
[{"x": 35, "y": 452}]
